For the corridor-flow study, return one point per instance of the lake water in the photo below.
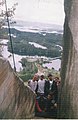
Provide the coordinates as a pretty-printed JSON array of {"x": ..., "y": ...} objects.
[
  {"x": 53, "y": 64},
  {"x": 6, "y": 54}
]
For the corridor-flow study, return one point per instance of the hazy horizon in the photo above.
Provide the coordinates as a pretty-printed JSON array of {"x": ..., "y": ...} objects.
[{"x": 43, "y": 11}]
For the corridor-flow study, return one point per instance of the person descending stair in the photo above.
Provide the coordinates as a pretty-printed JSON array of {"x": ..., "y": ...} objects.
[
  {"x": 51, "y": 87},
  {"x": 33, "y": 83},
  {"x": 41, "y": 84}
]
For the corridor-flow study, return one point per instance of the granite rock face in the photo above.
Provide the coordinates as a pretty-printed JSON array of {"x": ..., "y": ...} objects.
[
  {"x": 68, "y": 98},
  {"x": 16, "y": 100}
]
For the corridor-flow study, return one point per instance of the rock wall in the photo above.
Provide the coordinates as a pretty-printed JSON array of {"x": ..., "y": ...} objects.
[
  {"x": 68, "y": 98},
  {"x": 16, "y": 100}
]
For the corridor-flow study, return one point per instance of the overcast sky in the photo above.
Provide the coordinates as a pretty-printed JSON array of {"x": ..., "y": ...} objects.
[{"x": 47, "y": 11}]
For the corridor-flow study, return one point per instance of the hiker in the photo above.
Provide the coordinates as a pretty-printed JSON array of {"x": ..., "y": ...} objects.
[
  {"x": 41, "y": 84},
  {"x": 51, "y": 106},
  {"x": 57, "y": 80},
  {"x": 51, "y": 87},
  {"x": 41, "y": 101},
  {"x": 33, "y": 83},
  {"x": 39, "y": 106}
]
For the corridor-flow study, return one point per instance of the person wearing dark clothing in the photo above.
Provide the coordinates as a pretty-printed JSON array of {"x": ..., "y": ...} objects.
[
  {"x": 40, "y": 106},
  {"x": 41, "y": 101},
  {"x": 51, "y": 87},
  {"x": 51, "y": 107}
]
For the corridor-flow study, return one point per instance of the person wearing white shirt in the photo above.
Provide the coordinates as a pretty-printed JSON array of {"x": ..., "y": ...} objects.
[
  {"x": 33, "y": 83},
  {"x": 41, "y": 84}
]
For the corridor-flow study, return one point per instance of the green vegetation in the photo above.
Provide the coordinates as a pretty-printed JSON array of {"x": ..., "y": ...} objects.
[
  {"x": 3, "y": 34},
  {"x": 29, "y": 69},
  {"x": 22, "y": 47}
]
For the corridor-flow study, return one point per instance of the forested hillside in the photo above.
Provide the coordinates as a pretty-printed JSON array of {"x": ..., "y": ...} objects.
[{"x": 22, "y": 47}]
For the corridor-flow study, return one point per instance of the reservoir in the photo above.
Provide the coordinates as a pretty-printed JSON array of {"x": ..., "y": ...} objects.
[{"x": 56, "y": 64}]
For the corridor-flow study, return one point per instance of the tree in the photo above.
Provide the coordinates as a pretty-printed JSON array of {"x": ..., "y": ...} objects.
[
  {"x": 3, "y": 13},
  {"x": 6, "y": 14}
]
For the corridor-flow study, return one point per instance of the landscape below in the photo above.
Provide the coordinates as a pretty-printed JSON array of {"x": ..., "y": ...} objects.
[{"x": 47, "y": 43}]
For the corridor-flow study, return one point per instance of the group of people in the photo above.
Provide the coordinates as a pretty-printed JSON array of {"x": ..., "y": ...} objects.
[{"x": 46, "y": 91}]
